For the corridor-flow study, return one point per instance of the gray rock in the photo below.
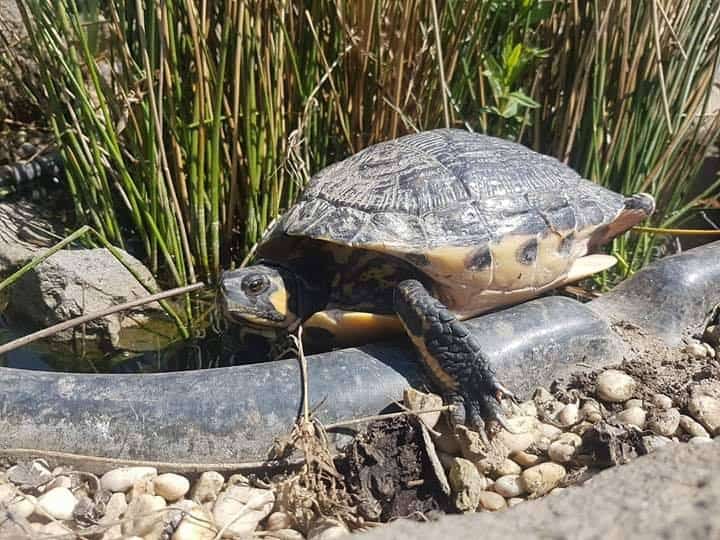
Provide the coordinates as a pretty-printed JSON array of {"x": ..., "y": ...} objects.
[
  {"x": 24, "y": 233},
  {"x": 114, "y": 509},
  {"x": 123, "y": 478},
  {"x": 57, "y": 503},
  {"x": 664, "y": 422},
  {"x": 466, "y": 483},
  {"x": 692, "y": 428},
  {"x": 144, "y": 515},
  {"x": 491, "y": 501},
  {"x": 170, "y": 486},
  {"x": 75, "y": 282},
  {"x": 706, "y": 410},
  {"x": 615, "y": 386},
  {"x": 207, "y": 487}
]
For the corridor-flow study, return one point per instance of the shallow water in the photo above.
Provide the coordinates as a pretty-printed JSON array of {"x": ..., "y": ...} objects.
[{"x": 208, "y": 352}]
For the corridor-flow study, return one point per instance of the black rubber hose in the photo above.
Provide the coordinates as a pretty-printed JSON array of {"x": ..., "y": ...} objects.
[
  {"x": 44, "y": 170},
  {"x": 234, "y": 414}
]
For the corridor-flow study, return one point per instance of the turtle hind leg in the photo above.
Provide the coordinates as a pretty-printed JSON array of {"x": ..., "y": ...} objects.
[{"x": 452, "y": 355}]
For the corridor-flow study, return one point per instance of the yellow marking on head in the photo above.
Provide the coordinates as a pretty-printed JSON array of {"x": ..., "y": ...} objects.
[{"x": 279, "y": 297}]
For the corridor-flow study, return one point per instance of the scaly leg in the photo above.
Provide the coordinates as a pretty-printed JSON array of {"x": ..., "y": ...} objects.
[{"x": 453, "y": 357}]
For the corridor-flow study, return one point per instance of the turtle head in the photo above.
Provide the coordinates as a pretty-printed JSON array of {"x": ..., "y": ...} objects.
[
  {"x": 258, "y": 296},
  {"x": 266, "y": 297},
  {"x": 635, "y": 209}
]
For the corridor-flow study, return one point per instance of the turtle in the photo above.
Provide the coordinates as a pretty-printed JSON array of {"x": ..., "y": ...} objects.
[{"x": 422, "y": 232}]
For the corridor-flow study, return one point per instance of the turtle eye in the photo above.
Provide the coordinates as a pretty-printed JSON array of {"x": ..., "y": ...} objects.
[{"x": 255, "y": 284}]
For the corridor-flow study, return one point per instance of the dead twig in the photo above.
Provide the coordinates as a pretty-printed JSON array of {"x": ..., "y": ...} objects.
[{"x": 364, "y": 419}]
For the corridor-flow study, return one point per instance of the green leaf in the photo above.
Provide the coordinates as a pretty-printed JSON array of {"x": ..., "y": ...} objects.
[
  {"x": 523, "y": 99},
  {"x": 510, "y": 109},
  {"x": 513, "y": 60},
  {"x": 494, "y": 74}
]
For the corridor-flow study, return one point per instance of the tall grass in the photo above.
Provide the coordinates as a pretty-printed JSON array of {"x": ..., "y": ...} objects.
[
  {"x": 627, "y": 106},
  {"x": 187, "y": 125}
]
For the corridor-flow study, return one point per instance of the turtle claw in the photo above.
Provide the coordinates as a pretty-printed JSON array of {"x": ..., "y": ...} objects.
[
  {"x": 481, "y": 414},
  {"x": 502, "y": 392}
]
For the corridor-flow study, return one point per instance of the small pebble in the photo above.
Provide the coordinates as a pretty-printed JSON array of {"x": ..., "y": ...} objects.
[
  {"x": 630, "y": 403},
  {"x": 700, "y": 440},
  {"x": 505, "y": 467},
  {"x": 509, "y": 486},
  {"x": 709, "y": 349},
  {"x": 418, "y": 401},
  {"x": 114, "y": 509},
  {"x": 653, "y": 442},
  {"x": 706, "y": 410},
  {"x": 634, "y": 416},
  {"x": 252, "y": 504},
  {"x": 514, "y": 501},
  {"x": 58, "y": 503},
  {"x": 664, "y": 422},
  {"x": 615, "y": 386},
  {"x": 142, "y": 486},
  {"x": 207, "y": 487},
  {"x": 21, "y": 505},
  {"x": 143, "y": 515},
  {"x": 591, "y": 411},
  {"x": 569, "y": 415},
  {"x": 170, "y": 486},
  {"x": 516, "y": 442},
  {"x": 61, "y": 481},
  {"x": 550, "y": 431},
  {"x": 661, "y": 401},
  {"x": 564, "y": 448},
  {"x": 525, "y": 459},
  {"x": 696, "y": 349},
  {"x": 692, "y": 428},
  {"x": 471, "y": 444},
  {"x": 525, "y": 429},
  {"x": 124, "y": 478},
  {"x": 466, "y": 484},
  {"x": 277, "y": 521},
  {"x": 491, "y": 501},
  {"x": 541, "y": 444},
  {"x": 541, "y": 478}
]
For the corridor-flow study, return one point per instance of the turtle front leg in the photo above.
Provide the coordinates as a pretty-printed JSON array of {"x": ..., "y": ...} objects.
[{"x": 452, "y": 356}]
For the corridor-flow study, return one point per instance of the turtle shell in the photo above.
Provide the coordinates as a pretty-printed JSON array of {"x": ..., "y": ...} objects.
[
  {"x": 445, "y": 187},
  {"x": 469, "y": 210}
]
